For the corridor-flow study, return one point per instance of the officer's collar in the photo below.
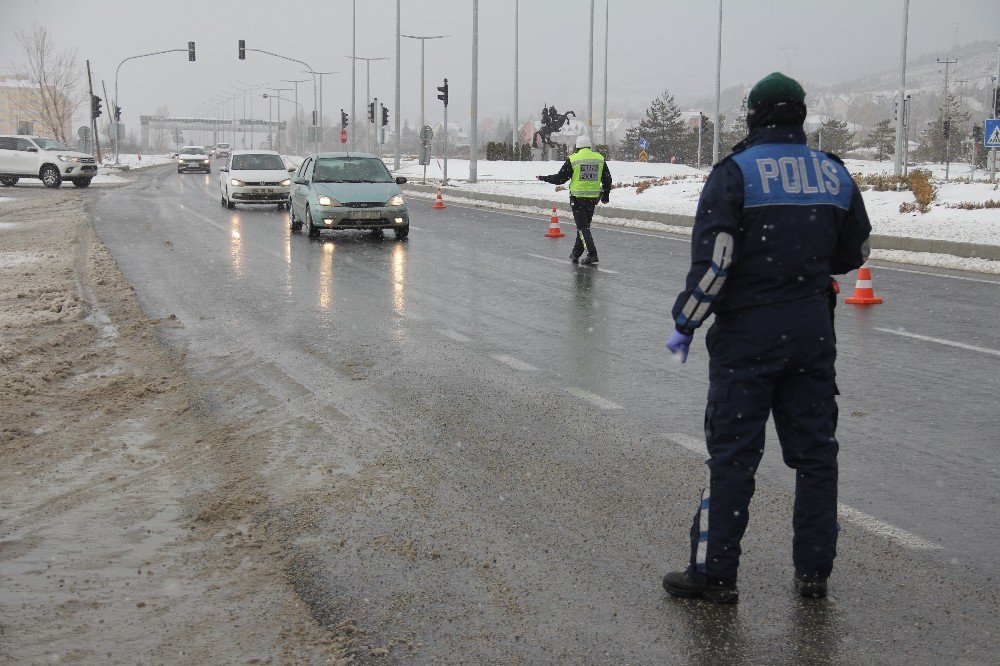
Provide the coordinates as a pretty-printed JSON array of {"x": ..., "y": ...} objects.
[{"x": 772, "y": 134}]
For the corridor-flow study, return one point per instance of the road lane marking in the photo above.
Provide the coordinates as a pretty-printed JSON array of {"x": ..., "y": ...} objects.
[
  {"x": 859, "y": 518},
  {"x": 517, "y": 364},
  {"x": 563, "y": 261},
  {"x": 926, "y": 338},
  {"x": 454, "y": 335},
  {"x": 593, "y": 398},
  {"x": 944, "y": 275}
]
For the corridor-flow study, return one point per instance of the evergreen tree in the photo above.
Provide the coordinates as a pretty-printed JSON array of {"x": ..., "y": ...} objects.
[
  {"x": 882, "y": 139},
  {"x": 932, "y": 139},
  {"x": 662, "y": 127},
  {"x": 836, "y": 138},
  {"x": 737, "y": 131}
]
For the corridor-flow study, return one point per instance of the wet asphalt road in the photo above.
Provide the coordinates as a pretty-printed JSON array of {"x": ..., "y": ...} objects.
[{"x": 506, "y": 457}]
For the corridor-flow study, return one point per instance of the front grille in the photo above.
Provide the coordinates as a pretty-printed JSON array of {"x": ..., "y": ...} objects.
[
  {"x": 262, "y": 184},
  {"x": 364, "y": 204},
  {"x": 87, "y": 160},
  {"x": 251, "y": 196}
]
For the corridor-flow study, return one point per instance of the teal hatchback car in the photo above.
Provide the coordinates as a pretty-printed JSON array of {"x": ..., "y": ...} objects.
[{"x": 347, "y": 191}]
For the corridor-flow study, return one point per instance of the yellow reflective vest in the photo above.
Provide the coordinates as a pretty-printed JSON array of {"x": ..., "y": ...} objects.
[{"x": 588, "y": 167}]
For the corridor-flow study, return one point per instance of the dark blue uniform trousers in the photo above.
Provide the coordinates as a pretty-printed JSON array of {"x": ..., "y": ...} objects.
[{"x": 772, "y": 359}]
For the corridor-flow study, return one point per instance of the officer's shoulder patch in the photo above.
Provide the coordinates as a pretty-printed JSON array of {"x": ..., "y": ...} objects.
[{"x": 835, "y": 158}]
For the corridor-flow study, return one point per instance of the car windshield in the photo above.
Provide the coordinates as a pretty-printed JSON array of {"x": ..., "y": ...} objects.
[
  {"x": 223, "y": 145},
  {"x": 350, "y": 170},
  {"x": 262, "y": 162},
  {"x": 193, "y": 151},
  {"x": 48, "y": 144}
]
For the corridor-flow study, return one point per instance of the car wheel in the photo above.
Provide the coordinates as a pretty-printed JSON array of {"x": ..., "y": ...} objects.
[
  {"x": 81, "y": 182},
  {"x": 313, "y": 231},
  {"x": 8, "y": 181},
  {"x": 402, "y": 232},
  {"x": 50, "y": 176},
  {"x": 377, "y": 234},
  {"x": 222, "y": 201},
  {"x": 230, "y": 204},
  {"x": 296, "y": 223}
]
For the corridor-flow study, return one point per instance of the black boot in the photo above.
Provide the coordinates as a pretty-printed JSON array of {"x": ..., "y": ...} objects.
[
  {"x": 680, "y": 584},
  {"x": 811, "y": 588},
  {"x": 574, "y": 258},
  {"x": 591, "y": 258}
]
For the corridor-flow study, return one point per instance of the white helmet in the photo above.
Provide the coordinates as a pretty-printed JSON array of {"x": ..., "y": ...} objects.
[{"x": 583, "y": 141}]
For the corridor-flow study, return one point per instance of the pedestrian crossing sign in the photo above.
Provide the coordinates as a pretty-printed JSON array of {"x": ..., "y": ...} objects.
[{"x": 991, "y": 135}]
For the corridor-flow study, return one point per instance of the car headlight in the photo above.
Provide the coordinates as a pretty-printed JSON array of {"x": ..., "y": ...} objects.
[
  {"x": 64, "y": 158},
  {"x": 237, "y": 182},
  {"x": 286, "y": 182},
  {"x": 397, "y": 200},
  {"x": 328, "y": 201},
  {"x": 204, "y": 161}
]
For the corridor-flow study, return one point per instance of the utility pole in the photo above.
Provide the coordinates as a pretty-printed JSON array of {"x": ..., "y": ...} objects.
[
  {"x": 354, "y": 69},
  {"x": 474, "y": 111},
  {"x": 718, "y": 90},
  {"x": 900, "y": 126},
  {"x": 590, "y": 75},
  {"x": 111, "y": 111},
  {"x": 319, "y": 120},
  {"x": 423, "y": 40},
  {"x": 93, "y": 120},
  {"x": 947, "y": 62},
  {"x": 300, "y": 143}
]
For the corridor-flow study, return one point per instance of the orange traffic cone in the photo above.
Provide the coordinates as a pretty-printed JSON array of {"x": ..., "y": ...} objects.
[
  {"x": 864, "y": 294},
  {"x": 554, "y": 230},
  {"x": 440, "y": 202}
]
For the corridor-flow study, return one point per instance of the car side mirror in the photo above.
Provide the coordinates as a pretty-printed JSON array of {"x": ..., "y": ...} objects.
[
  {"x": 224, "y": 169},
  {"x": 292, "y": 169},
  {"x": 300, "y": 181},
  {"x": 32, "y": 150},
  {"x": 400, "y": 180}
]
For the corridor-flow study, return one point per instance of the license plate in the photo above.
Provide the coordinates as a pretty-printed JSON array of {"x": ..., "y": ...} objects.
[
  {"x": 365, "y": 215},
  {"x": 265, "y": 190}
]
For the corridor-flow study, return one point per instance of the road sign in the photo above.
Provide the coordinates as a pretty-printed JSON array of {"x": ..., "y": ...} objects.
[
  {"x": 426, "y": 134},
  {"x": 643, "y": 144},
  {"x": 83, "y": 132},
  {"x": 991, "y": 135},
  {"x": 343, "y": 136},
  {"x": 643, "y": 156}
]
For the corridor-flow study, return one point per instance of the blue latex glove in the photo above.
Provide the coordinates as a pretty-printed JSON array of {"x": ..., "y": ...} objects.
[{"x": 678, "y": 343}]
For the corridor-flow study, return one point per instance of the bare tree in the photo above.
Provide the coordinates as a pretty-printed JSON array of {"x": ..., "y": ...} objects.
[{"x": 54, "y": 77}]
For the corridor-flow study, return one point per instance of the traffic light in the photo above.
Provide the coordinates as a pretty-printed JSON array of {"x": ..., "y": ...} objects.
[
  {"x": 118, "y": 114},
  {"x": 95, "y": 106},
  {"x": 444, "y": 92},
  {"x": 343, "y": 119},
  {"x": 947, "y": 129},
  {"x": 371, "y": 112},
  {"x": 243, "y": 49},
  {"x": 191, "y": 51},
  {"x": 385, "y": 116},
  {"x": 314, "y": 118}
]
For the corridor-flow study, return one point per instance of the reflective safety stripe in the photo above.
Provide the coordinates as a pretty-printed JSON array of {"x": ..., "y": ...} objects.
[
  {"x": 696, "y": 308},
  {"x": 583, "y": 240},
  {"x": 701, "y": 555}
]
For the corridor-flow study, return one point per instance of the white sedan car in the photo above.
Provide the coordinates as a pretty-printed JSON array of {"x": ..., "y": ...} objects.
[{"x": 255, "y": 177}]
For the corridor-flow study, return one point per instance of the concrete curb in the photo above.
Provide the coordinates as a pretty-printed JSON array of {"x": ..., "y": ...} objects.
[{"x": 878, "y": 242}]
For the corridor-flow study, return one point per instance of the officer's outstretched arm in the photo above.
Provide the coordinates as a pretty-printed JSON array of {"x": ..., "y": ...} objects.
[
  {"x": 713, "y": 245},
  {"x": 852, "y": 241},
  {"x": 564, "y": 174}
]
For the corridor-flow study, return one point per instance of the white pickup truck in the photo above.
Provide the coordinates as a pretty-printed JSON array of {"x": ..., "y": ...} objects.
[
  {"x": 223, "y": 150},
  {"x": 51, "y": 162}
]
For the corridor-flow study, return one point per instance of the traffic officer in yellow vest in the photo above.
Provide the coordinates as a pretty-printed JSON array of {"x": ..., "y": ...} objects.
[{"x": 589, "y": 181}]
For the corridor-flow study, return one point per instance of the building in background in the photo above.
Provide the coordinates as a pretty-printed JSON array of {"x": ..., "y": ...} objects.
[{"x": 17, "y": 99}]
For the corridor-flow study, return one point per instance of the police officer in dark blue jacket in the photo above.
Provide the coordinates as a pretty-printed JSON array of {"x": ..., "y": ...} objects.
[{"x": 776, "y": 219}]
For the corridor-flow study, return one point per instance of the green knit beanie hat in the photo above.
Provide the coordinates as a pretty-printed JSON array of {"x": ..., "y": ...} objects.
[{"x": 776, "y": 87}]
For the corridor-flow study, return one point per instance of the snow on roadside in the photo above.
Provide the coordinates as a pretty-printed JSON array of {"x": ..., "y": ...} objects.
[
  {"x": 936, "y": 260},
  {"x": 679, "y": 195},
  {"x": 133, "y": 161}
]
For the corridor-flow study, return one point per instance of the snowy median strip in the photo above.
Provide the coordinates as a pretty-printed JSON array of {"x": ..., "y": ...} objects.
[
  {"x": 863, "y": 520},
  {"x": 926, "y": 338}
]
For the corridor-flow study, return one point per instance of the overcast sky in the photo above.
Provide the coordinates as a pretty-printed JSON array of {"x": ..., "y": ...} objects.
[{"x": 654, "y": 45}]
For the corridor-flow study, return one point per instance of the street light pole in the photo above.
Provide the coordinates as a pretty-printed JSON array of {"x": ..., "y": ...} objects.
[
  {"x": 474, "y": 114},
  {"x": 718, "y": 91},
  {"x": 590, "y": 75},
  {"x": 142, "y": 55},
  {"x": 898, "y": 161},
  {"x": 298, "y": 134},
  {"x": 514, "y": 133},
  {"x": 396, "y": 160},
  {"x": 301, "y": 62},
  {"x": 354, "y": 69},
  {"x": 423, "y": 40},
  {"x": 368, "y": 93},
  {"x": 278, "y": 97},
  {"x": 606, "y": 39},
  {"x": 319, "y": 120}
]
